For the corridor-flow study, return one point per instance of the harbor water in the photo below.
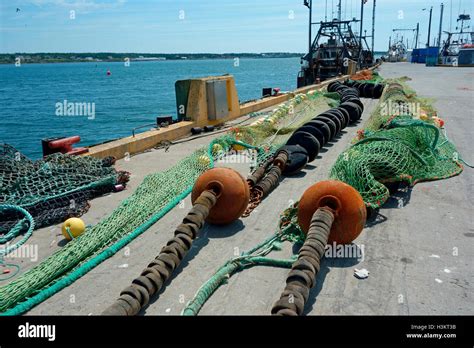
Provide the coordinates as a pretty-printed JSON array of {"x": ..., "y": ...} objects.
[{"x": 52, "y": 100}]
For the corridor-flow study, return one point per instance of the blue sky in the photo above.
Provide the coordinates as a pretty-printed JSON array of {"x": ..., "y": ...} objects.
[{"x": 193, "y": 26}]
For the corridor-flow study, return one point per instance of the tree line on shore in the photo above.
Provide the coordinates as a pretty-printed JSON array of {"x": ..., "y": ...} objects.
[{"x": 16, "y": 58}]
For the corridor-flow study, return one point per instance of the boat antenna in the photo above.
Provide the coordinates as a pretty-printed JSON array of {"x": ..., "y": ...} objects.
[{"x": 326, "y": 12}]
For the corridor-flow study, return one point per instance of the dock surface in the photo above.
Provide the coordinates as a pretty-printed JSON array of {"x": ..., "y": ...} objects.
[{"x": 419, "y": 252}]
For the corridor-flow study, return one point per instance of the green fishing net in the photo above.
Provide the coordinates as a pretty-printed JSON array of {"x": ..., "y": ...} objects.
[
  {"x": 53, "y": 188},
  {"x": 153, "y": 198},
  {"x": 396, "y": 147}
]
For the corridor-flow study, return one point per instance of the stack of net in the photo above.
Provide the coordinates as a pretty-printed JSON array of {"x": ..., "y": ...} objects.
[
  {"x": 51, "y": 189},
  {"x": 395, "y": 148},
  {"x": 156, "y": 195}
]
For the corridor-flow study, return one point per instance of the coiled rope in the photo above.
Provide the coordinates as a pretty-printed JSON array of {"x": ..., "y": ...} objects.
[{"x": 14, "y": 232}]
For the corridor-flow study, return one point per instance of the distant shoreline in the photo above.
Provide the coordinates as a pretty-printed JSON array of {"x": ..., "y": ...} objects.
[{"x": 47, "y": 58}]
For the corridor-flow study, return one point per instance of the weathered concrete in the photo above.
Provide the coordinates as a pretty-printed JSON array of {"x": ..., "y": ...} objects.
[{"x": 419, "y": 256}]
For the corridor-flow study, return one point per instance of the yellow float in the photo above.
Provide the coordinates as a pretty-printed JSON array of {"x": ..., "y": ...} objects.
[{"x": 73, "y": 228}]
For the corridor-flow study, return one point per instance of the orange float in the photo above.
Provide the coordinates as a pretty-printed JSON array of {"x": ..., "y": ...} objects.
[
  {"x": 344, "y": 201},
  {"x": 232, "y": 193}
]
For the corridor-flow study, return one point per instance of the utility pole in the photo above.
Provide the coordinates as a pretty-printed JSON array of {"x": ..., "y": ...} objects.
[
  {"x": 440, "y": 25},
  {"x": 429, "y": 28},
  {"x": 373, "y": 28}
]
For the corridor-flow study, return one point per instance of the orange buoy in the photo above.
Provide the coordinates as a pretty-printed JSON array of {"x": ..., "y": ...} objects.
[
  {"x": 232, "y": 193},
  {"x": 346, "y": 204}
]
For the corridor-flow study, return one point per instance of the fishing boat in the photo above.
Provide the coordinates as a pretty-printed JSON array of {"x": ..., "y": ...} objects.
[
  {"x": 335, "y": 50},
  {"x": 457, "y": 47}
]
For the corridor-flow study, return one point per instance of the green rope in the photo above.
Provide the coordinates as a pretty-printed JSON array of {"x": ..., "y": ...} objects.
[
  {"x": 224, "y": 273},
  {"x": 288, "y": 231},
  {"x": 3, "y": 264},
  {"x": 16, "y": 230}
]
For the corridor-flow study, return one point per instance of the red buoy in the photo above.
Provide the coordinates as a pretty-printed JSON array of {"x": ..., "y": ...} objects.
[
  {"x": 231, "y": 189},
  {"x": 343, "y": 200}
]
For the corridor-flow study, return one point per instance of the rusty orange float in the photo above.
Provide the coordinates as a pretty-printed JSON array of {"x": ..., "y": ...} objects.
[
  {"x": 344, "y": 201},
  {"x": 232, "y": 193}
]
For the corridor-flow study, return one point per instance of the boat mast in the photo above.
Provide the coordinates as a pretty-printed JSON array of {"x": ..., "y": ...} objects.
[
  {"x": 339, "y": 15},
  {"x": 417, "y": 34},
  {"x": 440, "y": 25},
  {"x": 362, "y": 2},
  {"x": 429, "y": 28},
  {"x": 373, "y": 28},
  {"x": 309, "y": 5}
]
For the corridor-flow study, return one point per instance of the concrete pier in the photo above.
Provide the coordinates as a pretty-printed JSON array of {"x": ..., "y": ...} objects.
[{"x": 419, "y": 253}]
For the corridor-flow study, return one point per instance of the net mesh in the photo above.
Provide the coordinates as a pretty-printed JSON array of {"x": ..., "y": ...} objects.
[
  {"x": 402, "y": 142},
  {"x": 51, "y": 189},
  {"x": 157, "y": 193}
]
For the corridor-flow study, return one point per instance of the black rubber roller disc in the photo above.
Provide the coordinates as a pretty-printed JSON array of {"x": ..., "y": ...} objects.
[
  {"x": 356, "y": 101},
  {"x": 333, "y": 118},
  {"x": 355, "y": 112},
  {"x": 315, "y": 132},
  {"x": 323, "y": 127},
  {"x": 368, "y": 90},
  {"x": 307, "y": 141},
  {"x": 340, "y": 116},
  {"x": 348, "y": 96},
  {"x": 340, "y": 89},
  {"x": 345, "y": 114},
  {"x": 378, "y": 90},
  {"x": 334, "y": 127},
  {"x": 297, "y": 159},
  {"x": 332, "y": 86}
]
